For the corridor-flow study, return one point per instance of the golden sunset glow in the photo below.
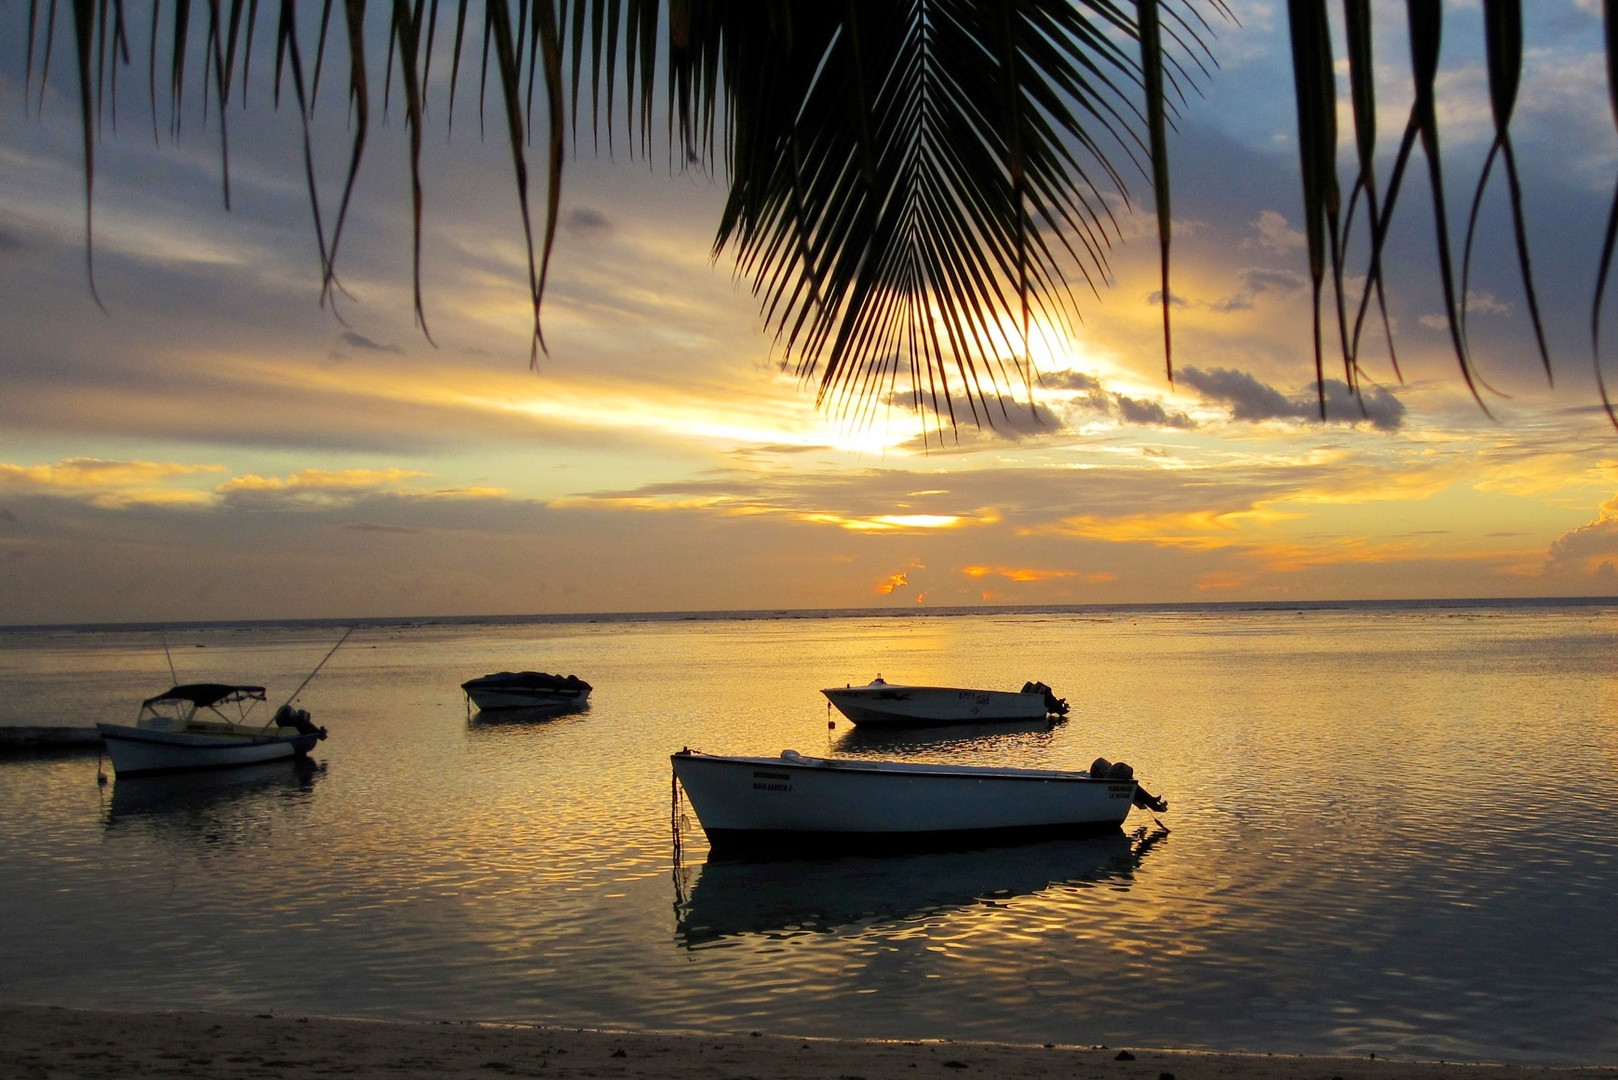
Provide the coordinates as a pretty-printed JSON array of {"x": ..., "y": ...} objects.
[
  {"x": 910, "y": 521},
  {"x": 894, "y": 582},
  {"x": 666, "y": 452},
  {"x": 1198, "y": 530},
  {"x": 109, "y": 485},
  {"x": 316, "y": 480},
  {"x": 1012, "y": 573}
]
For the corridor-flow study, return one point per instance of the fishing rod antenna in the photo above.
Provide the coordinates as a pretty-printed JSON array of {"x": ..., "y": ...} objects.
[{"x": 318, "y": 666}]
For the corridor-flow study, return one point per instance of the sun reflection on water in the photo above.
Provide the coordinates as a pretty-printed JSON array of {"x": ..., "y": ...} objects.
[{"x": 1387, "y": 834}]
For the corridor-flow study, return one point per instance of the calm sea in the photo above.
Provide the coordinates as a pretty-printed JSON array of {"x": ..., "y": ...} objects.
[{"x": 1392, "y": 832}]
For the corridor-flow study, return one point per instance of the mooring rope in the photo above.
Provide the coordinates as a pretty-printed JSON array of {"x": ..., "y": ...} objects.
[{"x": 674, "y": 815}]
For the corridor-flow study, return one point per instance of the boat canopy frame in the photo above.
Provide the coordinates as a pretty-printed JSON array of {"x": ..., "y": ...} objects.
[
  {"x": 183, "y": 702},
  {"x": 207, "y": 695}
]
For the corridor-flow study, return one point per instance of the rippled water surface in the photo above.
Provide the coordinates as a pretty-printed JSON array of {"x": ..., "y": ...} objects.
[{"x": 1392, "y": 832}]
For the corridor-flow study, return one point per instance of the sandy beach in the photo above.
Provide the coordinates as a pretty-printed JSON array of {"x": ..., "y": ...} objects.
[{"x": 42, "y": 1041}]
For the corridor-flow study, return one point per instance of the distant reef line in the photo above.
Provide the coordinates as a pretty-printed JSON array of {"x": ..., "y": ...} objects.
[{"x": 917, "y": 612}]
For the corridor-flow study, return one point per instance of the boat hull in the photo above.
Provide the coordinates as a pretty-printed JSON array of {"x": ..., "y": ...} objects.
[
  {"x": 488, "y": 699},
  {"x": 139, "y": 751},
  {"x": 912, "y": 706},
  {"x": 847, "y": 804},
  {"x": 526, "y": 690}
]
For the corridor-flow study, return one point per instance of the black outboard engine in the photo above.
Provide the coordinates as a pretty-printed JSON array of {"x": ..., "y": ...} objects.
[
  {"x": 1147, "y": 801},
  {"x": 1054, "y": 705},
  {"x": 1118, "y": 770},
  {"x": 287, "y": 716}
]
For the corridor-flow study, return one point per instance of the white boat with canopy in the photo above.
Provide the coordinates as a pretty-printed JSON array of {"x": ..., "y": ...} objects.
[
  {"x": 206, "y": 726},
  {"x": 209, "y": 726}
]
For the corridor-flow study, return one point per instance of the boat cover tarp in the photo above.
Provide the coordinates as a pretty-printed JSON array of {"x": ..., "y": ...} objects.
[
  {"x": 204, "y": 694},
  {"x": 526, "y": 680}
]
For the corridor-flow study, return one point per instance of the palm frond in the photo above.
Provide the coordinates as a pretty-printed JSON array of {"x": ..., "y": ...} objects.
[
  {"x": 1426, "y": 32},
  {"x": 84, "y": 28},
  {"x": 1610, "y": 28},
  {"x": 1314, "y": 80},
  {"x": 908, "y": 191},
  {"x": 913, "y": 183},
  {"x": 1362, "y": 90},
  {"x": 1503, "y": 40},
  {"x": 1151, "y": 48}
]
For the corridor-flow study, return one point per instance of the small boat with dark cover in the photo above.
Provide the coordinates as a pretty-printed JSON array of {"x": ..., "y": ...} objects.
[{"x": 526, "y": 690}]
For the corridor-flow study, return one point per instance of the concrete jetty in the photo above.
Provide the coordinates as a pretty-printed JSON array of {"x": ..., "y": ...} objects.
[{"x": 46, "y": 737}]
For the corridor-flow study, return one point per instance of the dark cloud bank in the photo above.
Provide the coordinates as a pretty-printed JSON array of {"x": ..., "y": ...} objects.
[{"x": 1252, "y": 400}]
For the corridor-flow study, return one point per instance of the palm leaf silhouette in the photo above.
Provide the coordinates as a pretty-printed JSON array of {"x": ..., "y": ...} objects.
[{"x": 913, "y": 183}]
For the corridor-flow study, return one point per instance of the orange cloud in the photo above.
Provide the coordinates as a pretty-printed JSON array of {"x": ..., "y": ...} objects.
[
  {"x": 1590, "y": 547},
  {"x": 1224, "y": 581},
  {"x": 736, "y": 506},
  {"x": 312, "y": 487},
  {"x": 320, "y": 480},
  {"x": 894, "y": 582},
  {"x": 721, "y": 503},
  {"x": 1283, "y": 557},
  {"x": 890, "y": 522},
  {"x": 1016, "y": 573},
  {"x": 109, "y": 485},
  {"x": 1198, "y": 530}
]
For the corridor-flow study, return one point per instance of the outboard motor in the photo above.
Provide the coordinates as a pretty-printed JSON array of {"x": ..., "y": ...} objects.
[
  {"x": 1054, "y": 705},
  {"x": 1118, "y": 770},
  {"x": 287, "y": 716},
  {"x": 1147, "y": 801}
]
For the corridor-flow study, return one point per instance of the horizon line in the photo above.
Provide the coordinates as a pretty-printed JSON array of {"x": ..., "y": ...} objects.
[{"x": 695, "y": 615}]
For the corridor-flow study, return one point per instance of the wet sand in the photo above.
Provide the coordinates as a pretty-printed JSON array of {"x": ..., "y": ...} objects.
[{"x": 40, "y": 1041}]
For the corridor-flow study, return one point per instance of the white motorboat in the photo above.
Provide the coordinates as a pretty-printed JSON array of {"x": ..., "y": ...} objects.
[
  {"x": 526, "y": 690},
  {"x": 206, "y": 726},
  {"x": 882, "y": 703},
  {"x": 845, "y": 803}
]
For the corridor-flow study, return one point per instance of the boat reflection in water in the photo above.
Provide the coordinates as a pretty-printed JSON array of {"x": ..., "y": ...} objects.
[
  {"x": 222, "y": 806},
  {"x": 524, "y": 714},
  {"x": 1004, "y": 734},
  {"x": 783, "y": 895}
]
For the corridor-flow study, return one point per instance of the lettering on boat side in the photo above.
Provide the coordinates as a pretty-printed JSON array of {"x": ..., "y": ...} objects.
[
  {"x": 771, "y": 781},
  {"x": 1121, "y": 791}
]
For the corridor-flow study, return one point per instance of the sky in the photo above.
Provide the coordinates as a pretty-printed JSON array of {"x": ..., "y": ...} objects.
[{"x": 213, "y": 443}]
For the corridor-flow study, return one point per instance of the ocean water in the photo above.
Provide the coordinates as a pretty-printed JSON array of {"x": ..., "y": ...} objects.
[{"x": 1391, "y": 830}]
